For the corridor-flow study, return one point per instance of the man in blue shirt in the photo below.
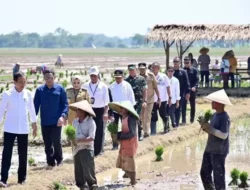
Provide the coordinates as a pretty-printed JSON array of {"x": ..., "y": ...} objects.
[{"x": 52, "y": 101}]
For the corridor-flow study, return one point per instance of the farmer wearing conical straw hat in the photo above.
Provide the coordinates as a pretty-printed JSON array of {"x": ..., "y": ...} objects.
[
  {"x": 204, "y": 62},
  {"x": 127, "y": 137},
  {"x": 83, "y": 150},
  {"x": 217, "y": 146}
]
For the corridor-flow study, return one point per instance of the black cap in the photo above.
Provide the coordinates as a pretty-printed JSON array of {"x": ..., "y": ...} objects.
[
  {"x": 118, "y": 73},
  {"x": 186, "y": 59},
  {"x": 142, "y": 65},
  {"x": 131, "y": 67}
]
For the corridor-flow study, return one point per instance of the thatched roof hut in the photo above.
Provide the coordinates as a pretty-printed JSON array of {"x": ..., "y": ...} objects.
[
  {"x": 189, "y": 33},
  {"x": 179, "y": 34}
]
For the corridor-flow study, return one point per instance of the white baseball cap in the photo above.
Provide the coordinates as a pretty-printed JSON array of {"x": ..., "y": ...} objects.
[{"x": 94, "y": 71}]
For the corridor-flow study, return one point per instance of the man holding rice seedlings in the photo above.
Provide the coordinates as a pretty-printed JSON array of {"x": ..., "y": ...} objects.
[
  {"x": 99, "y": 99},
  {"x": 165, "y": 97},
  {"x": 139, "y": 86},
  {"x": 83, "y": 151},
  {"x": 152, "y": 90},
  {"x": 217, "y": 146}
]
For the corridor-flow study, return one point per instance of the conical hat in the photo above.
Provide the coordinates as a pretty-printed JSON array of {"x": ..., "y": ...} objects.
[
  {"x": 204, "y": 49},
  {"x": 219, "y": 96},
  {"x": 82, "y": 105},
  {"x": 116, "y": 106}
]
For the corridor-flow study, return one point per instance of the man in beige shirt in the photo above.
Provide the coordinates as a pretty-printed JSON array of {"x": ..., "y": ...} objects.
[{"x": 152, "y": 89}]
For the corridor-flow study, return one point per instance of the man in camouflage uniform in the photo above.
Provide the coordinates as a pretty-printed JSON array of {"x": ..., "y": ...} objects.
[
  {"x": 139, "y": 86},
  {"x": 152, "y": 90}
]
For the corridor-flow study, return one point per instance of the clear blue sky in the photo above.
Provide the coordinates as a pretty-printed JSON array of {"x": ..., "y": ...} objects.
[{"x": 116, "y": 17}]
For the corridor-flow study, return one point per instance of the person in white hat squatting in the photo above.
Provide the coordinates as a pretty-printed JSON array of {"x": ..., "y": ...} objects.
[
  {"x": 217, "y": 146},
  {"x": 83, "y": 150},
  {"x": 99, "y": 99},
  {"x": 127, "y": 137},
  {"x": 59, "y": 61}
]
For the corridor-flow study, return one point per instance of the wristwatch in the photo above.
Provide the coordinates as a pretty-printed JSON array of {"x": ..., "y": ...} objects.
[{"x": 170, "y": 97}]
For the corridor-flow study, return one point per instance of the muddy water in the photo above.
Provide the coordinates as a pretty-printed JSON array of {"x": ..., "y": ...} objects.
[
  {"x": 37, "y": 153},
  {"x": 181, "y": 165}
]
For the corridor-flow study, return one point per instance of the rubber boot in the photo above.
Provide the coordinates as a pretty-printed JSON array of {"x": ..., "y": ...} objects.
[
  {"x": 114, "y": 141},
  {"x": 208, "y": 186},
  {"x": 125, "y": 175},
  {"x": 153, "y": 128},
  {"x": 132, "y": 176}
]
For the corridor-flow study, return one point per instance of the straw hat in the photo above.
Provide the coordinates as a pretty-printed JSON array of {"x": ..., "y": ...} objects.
[
  {"x": 219, "y": 96},
  {"x": 204, "y": 50},
  {"x": 116, "y": 106},
  {"x": 82, "y": 105}
]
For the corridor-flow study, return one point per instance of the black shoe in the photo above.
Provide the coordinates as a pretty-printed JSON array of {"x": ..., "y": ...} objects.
[
  {"x": 146, "y": 135},
  {"x": 59, "y": 164},
  {"x": 183, "y": 124},
  {"x": 21, "y": 182},
  {"x": 93, "y": 187}
]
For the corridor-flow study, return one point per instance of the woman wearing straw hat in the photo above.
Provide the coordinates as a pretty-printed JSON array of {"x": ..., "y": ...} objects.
[
  {"x": 75, "y": 94},
  {"x": 128, "y": 138},
  {"x": 83, "y": 151},
  {"x": 204, "y": 61},
  {"x": 217, "y": 146}
]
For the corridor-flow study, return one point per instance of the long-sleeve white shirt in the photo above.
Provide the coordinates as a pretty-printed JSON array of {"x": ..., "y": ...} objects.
[
  {"x": 98, "y": 91},
  {"x": 18, "y": 106},
  {"x": 122, "y": 92},
  {"x": 175, "y": 89}
]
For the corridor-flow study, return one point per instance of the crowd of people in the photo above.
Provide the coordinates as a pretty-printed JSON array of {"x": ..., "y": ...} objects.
[{"x": 136, "y": 101}]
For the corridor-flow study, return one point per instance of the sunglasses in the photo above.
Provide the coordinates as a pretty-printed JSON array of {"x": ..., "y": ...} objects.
[
  {"x": 171, "y": 71},
  {"x": 76, "y": 82},
  {"x": 186, "y": 62}
]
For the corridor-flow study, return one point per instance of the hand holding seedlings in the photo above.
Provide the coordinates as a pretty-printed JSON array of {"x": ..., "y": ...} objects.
[
  {"x": 70, "y": 132},
  {"x": 203, "y": 120}
]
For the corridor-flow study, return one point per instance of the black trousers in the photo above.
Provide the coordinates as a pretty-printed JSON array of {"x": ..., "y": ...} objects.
[
  {"x": 138, "y": 109},
  {"x": 179, "y": 111},
  {"x": 99, "y": 135},
  {"x": 192, "y": 106},
  {"x": 206, "y": 75},
  {"x": 22, "y": 146},
  {"x": 231, "y": 75},
  {"x": 163, "y": 114},
  {"x": 171, "y": 113},
  {"x": 52, "y": 141},
  {"x": 213, "y": 163},
  {"x": 117, "y": 117}
]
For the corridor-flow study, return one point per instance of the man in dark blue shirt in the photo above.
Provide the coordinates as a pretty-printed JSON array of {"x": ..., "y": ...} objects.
[
  {"x": 193, "y": 77},
  {"x": 52, "y": 101},
  {"x": 182, "y": 76},
  {"x": 217, "y": 146}
]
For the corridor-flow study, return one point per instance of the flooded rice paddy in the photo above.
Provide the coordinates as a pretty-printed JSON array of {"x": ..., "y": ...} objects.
[{"x": 181, "y": 166}]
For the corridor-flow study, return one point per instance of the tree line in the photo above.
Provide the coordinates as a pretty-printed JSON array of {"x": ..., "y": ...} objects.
[{"x": 61, "y": 38}]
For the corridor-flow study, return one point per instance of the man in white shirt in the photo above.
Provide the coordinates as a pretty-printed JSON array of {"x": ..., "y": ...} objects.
[
  {"x": 121, "y": 90},
  {"x": 175, "y": 92},
  {"x": 165, "y": 97},
  {"x": 18, "y": 105},
  {"x": 99, "y": 99}
]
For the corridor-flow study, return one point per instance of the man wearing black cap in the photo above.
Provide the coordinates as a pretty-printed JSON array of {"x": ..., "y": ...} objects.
[
  {"x": 139, "y": 86},
  {"x": 194, "y": 82},
  {"x": 165, "y": 98},
  {"x": 152, "y": 90},
  {"x": 182, "y": 76},
  {"x": 121, "y": 90}
]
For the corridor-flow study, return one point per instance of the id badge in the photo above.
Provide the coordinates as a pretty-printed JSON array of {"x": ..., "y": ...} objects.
[{"x": 92, "y": 100}]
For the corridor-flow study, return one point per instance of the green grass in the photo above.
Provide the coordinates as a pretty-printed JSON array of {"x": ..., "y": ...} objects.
[{"x": 133, "y": 52}]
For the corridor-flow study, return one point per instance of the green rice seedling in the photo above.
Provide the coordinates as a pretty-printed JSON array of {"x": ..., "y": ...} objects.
[
  {"x": 31, "y": 161},
  {"x": 58, "y": 186},
  {"x": 61, "y": 75},
  {"x": 85, "y": 72},
  {"x": 235, "y": 175},
  {"x": 37, "y": 77},
  {"x": 243, "y": 179},
  {"x": 7, "y": 85},
  {"x": 112, "y": 128},
  {"x": 70, "y": 132},
  {"x": 71, "y": 74},
  {"x": 1, "y": 89},
  {"x": 65, "y": 84},
  {"x": 159, "y": 151}
]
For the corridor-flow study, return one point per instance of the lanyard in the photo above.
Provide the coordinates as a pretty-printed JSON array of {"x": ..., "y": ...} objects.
[{"x": 95, "y": 88}]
